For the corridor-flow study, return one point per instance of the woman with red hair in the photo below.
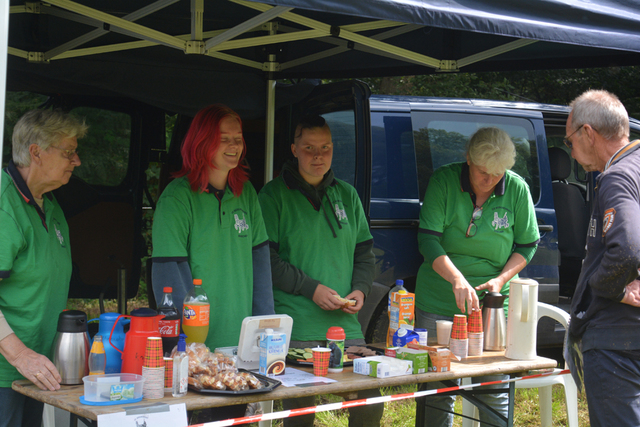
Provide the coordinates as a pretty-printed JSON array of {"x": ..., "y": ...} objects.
[{"x": 208, "y": 225}]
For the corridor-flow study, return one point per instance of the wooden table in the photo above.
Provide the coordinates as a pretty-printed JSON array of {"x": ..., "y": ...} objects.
[{"x": 347, "y": 385}]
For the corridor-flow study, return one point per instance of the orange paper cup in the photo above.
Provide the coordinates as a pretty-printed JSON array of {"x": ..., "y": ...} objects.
[
  {"x": 475, "y": 322},
  {"x": 459, "y": 329},
  {"x": 153, "y": 356},
  {"x": 168, "y": 373},
  {"x": 321, "y": 361}
]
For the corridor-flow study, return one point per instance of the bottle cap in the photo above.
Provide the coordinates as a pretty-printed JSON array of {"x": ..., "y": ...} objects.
[
  {"x": 400, "y": 282},
  {"x": 268, "y": 331},
  {"x": 197, "y": 282},
  {"x": 182, "y": 344},
  {"x": 335, "y": 333},
  {"x": 167, "y": 289}
]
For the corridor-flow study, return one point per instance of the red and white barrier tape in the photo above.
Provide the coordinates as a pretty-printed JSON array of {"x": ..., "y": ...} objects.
[{"x": 362, "y": 402}]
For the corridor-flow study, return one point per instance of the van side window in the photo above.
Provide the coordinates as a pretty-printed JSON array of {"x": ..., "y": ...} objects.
[
  {"x": 104, "y": 151},
  {"x": 394, "y": 178},
  {"x": 441, "y": 138},
  {"x": 343, "y": 136}
]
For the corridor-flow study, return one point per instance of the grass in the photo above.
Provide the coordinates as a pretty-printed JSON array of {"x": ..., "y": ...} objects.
[
  {"x": 92, "y": 308},
  {"x": 401, "y": 413}
]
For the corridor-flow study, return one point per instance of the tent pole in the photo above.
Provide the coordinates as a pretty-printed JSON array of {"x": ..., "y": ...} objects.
[
  {"x": 270, "y": 130},
  {"x": 4, "y": 48}
]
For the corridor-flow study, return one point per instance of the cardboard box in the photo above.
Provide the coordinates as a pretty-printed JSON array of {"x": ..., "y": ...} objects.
[
  {"x": 273, "y": 352},
  {"x": 382, "y": 366},
  {"x": 420, "y": 358},
  {"x": 439, "y": 358}
]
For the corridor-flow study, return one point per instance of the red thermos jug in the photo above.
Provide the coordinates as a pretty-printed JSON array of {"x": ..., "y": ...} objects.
[{"x": 144, "y": 324}]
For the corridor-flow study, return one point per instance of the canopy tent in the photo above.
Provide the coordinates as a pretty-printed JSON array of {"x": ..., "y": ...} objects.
[{"x": 180, "y": 54}]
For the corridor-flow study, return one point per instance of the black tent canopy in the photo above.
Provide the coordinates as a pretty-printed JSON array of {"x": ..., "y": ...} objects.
[{"x": 181, "y": 54}]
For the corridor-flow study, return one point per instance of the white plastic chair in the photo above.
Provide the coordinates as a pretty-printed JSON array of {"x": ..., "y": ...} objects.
[{"x": 543, "y": 384}]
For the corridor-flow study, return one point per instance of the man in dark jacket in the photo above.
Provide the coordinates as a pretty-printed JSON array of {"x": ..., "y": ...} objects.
[{"x": 605, "y": 313}]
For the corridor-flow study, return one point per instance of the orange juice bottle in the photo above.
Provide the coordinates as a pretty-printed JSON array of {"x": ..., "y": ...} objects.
[{"x": 195, "y": 314}]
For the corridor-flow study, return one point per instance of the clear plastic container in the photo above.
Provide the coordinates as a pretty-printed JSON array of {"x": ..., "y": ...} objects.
[{"x": 112, "y": 387}]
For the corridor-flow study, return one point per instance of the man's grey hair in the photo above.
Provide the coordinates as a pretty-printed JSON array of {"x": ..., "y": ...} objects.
[
  {"x": 492, "y": 149},
  {"x": 43, "y": 128},
  {"x": 603, "y": 111}
]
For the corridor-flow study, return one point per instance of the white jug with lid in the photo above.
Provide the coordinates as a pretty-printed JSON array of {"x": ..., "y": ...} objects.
[{"x": 522, "y": 320}]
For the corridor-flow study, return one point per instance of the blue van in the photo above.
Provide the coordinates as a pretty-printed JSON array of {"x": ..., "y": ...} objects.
[
  {"x": 386, "y": 147},
  {"x": 407, "y": 138}
]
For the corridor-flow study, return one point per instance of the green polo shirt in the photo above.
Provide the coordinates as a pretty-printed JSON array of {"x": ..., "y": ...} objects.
[
  {"x": 319, "y": 242},
  {"x": 216, "y": 238},
  {"x": 508, "y": 221},
  {"x": 35, "y": 267}
]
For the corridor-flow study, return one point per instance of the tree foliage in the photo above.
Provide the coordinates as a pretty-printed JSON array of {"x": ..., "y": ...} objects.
[{"x": 549, "y": 86}]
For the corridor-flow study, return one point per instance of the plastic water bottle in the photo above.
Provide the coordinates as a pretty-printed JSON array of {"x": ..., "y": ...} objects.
[
  {"x": 97, "y": 357},
  {"x": 195, "y": 314},
  {"x": 180, "y": 369},
  {"x": 169, "y": 327}
]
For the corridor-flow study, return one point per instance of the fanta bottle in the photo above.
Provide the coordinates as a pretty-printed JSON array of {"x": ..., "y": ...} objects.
[{"x": 195, "y": 314}]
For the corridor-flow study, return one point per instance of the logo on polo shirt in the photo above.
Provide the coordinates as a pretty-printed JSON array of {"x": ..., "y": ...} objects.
[
  {"x": 56, "y": 228},
  {"x": 241, "y": 225},
  {"x": 341, "y": 213},
  {"x": 500, "y": 222}
]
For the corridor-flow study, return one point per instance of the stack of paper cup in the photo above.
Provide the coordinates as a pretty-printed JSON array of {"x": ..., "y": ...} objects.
[
  {"x": 476, "y": 336},
  {"x": 153, "y": 370},
  {"x": 459, "y": 342},
  {"x": 168, "y": 374}
]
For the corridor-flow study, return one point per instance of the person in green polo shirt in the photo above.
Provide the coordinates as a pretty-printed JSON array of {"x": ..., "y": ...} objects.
[
  {"x": 321, "y": 248},
  {"x": 35, "y": 257},
  {"x": 208, "y": 225},
  {"x": 477, "y": 231}
]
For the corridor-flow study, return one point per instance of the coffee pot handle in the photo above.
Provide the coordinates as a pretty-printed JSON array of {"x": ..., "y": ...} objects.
[
  {"x": 113, "y": 328},
  {"x": 524, "y": 314}
]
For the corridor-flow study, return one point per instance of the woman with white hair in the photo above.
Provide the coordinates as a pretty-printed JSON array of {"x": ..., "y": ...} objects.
[
  {"x": 477, "y": 231},
  {"x": 35, "y": 257}
]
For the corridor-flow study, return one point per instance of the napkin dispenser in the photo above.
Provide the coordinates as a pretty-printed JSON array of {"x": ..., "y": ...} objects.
[{"x": 248, "y": 349}]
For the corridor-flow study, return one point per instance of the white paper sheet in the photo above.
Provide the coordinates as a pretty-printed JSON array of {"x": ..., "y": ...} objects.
[
  {"x": 147, "y": 415},
  {"x": 294, "y": 377}
]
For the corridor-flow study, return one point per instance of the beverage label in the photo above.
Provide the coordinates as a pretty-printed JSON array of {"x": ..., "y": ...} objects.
[
  {"x": 196, "y": 315},
  {"x": 169, "y": 328}
]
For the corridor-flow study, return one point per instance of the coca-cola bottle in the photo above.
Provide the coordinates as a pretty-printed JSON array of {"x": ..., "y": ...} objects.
[{"x": 169, "y": 327}]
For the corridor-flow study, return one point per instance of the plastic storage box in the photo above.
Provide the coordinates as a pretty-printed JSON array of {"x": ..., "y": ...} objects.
[{"x": 113, "y": 387}]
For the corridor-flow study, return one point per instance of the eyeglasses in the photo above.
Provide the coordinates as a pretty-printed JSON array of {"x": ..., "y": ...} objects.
[
  {"x": 473, "y": 227},
  {"x": 67, "y": 154},
  {"x": 567, "y": 139}
]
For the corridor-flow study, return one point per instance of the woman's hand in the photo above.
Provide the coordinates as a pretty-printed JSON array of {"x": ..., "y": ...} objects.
[
  {"x": 465, "y": 295},
  {"x": 324, "y": 298},
  {"x": 359, "y": 297},
  {"x": 33, "y": 366},
  {"x": 493, "y": 285}
]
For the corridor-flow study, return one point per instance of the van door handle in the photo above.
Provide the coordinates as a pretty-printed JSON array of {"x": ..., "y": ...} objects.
[{"x": 544, "y": 228}]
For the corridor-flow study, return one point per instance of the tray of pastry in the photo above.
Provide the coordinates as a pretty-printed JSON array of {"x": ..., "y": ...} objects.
[{"x": 233, "y": 383}]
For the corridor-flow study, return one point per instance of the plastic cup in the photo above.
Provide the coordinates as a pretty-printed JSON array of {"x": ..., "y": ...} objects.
[
  {"x": 443, "y": 330},
  {"x": 321, "y": 361}
]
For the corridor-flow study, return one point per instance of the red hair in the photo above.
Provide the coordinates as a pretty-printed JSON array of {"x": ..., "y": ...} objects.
[{"x": 200, "y": 146}]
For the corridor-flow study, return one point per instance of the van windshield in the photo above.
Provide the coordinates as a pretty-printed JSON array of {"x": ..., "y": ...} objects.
[{"x": 441, "y": 138}]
